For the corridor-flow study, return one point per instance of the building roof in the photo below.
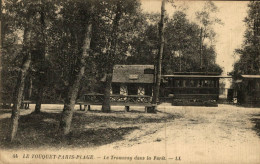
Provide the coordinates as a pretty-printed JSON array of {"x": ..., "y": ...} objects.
[
  {"x": 133, "y": 74},
  {"x": 251, "y": 76}
]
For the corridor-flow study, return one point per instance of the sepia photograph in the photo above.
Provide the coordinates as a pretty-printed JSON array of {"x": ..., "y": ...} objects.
[{"x": 130, "y": 81}]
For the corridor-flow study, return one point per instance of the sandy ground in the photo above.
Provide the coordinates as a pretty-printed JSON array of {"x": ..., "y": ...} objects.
[{"x": 221, "y": 134}]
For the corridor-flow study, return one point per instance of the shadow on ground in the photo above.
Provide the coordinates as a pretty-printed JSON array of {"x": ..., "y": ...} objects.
[
  {"x": 41, "y": 130},
  {"x": 256, "y": 120}
]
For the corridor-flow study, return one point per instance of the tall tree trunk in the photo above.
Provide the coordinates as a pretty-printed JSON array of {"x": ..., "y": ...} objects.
[
  {"x": 201, "y": 44},
  {"x": 180, "y": 61},
  {"x": 159, "y": 57},
  {"x": 107, "y": 87},
  {"x": 1, "y": 27},
  {"x": 18, "y": 93},
  {"x": 1, "y": 36},
  {"x": 39, "y": 96},
  {"x": 74, "y": 85},
  {"x": 42, "y": 71},
  {"x": 30, "y": 88},
  {"x": 111, "y": 58}
]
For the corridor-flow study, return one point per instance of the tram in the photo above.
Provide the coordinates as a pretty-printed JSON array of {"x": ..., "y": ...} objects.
[{"x": 191, "y": 88}]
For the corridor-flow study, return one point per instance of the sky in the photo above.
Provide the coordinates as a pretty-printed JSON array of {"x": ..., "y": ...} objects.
[{"x": 229, "y": 35}]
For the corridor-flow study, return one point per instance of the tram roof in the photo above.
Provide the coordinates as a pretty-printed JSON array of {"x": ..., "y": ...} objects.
[
  {"x": 198, "y": 76},
  {"x": 251, "y": 76}
]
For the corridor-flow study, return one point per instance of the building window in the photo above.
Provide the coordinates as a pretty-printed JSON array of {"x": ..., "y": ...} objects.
[
  {"x": 123, "y": 90},
  {"x": 141, "y": 91}
]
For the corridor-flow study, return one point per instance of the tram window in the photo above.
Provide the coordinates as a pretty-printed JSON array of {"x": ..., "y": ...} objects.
[
  {"x": 196, "y": 83},
  {"x": 184, "y": 83},
  {"x": 169, "y": 82},
  {"x": 200, "y": 83},
  {"x": 203, "y": 83},
  {"x": 187, "y": 83},
  {"x": 215, "y": 83},
  {"x": 181, "y": 83},
  {"x": 177, "y": 83},
  {"x": 206, "y": 84},
  {"x": 211, "y": 83},
  {"x": 192, "y": 83},
  {"x": 173, "y": 83},
  {"x": 257, "y": 85}
]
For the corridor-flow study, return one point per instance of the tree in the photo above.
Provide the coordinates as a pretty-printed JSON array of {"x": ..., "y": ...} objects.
[
  {"x": 206, "y": 21},
  {"x": 40, "y": 66},
  {"x": 116, "y": 18},
  {"x": 144, "y": 44},
  {"x": 24, "y": 20},
  {"x": 19, "y": 88},
  {"x": 21, "y": 14},
  {"x": 181, "y": 52},
  {"x": 0, "y": 43},
  {"x": 159, "y": 57},
  {"x": 78, "y": 73},
  {"x": 249, "y": 62},
  {"x": 110, "y": 57},
  {"x": 9, "y": 55}
]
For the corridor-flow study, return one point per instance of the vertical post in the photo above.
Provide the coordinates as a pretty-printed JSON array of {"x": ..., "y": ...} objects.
[
  {"x": 159, "y": 57},
  {"x": 127, "y": 108},
  {"x": 201, "y": 30},
  {"x": 180, "y": 59}
]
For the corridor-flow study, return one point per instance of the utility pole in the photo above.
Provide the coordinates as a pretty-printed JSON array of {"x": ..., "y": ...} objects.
[
  {"x": 0, "y": 45},
  {"x": 201, "y": 30},
  {"x": 158, "y": 66}
]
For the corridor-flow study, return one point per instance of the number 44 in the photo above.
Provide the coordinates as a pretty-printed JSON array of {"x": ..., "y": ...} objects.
[
  {"x": 178, "y": 158},
  {"x": 15, "y": 156}
]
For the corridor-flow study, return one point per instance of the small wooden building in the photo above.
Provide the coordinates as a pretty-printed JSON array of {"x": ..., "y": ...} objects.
[
  {"x": 247, "y": 89},
  {"x": 131, "y": 86},
  {"x": 132, "y": 80}
]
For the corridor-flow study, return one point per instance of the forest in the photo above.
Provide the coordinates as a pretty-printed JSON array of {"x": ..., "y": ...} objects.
[{"x": 53, "y": 51}]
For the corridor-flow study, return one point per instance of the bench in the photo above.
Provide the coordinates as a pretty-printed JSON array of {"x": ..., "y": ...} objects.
[
  {"x": 25, "y": 104},
  {"x": 127, "y": 105},
  {"x": 118, "y": 100},
  {"x": 5, "y": 104}
]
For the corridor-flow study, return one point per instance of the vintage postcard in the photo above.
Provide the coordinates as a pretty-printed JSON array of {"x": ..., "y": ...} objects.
[{"x": 130, "y": 81}]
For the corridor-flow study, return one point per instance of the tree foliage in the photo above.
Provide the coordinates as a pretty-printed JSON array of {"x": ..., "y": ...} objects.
[{"x": 249, "y": 62}]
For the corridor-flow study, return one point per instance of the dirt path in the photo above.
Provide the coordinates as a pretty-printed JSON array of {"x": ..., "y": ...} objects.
[
  {"x": 221, "y": 134},
  {"x": 202, "y": 135}
]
